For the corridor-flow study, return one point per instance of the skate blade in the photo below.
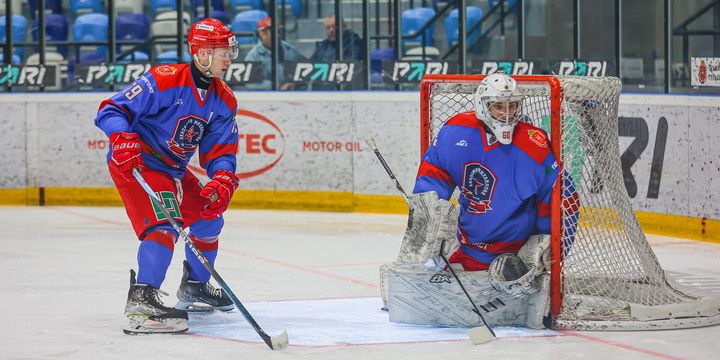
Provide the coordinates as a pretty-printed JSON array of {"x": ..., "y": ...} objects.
[
  {"x": 143, "y": 325},
  {"x": 196, "y": 307}
]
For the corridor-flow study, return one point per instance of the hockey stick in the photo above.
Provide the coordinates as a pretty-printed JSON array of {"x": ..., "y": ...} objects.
[
  {"x": 373, "y": 147},
  {"x": 277, "y": 342},
  {"x": 478, "y": 335}
]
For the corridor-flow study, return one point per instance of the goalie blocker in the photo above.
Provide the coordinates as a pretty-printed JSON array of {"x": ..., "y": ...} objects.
[{"x": 514, "y": 291}]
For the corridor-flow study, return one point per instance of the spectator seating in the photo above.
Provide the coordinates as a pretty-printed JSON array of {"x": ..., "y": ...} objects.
[
  {"x": 199, "y": 5},
  {"x": 19, "y": 27},
  {"x": 15, "y": 59},
  {"x": 51, "y": 7},
  {"x": 132, "y": 27},
  {"x": 294, "y": 5},
  {"x": 165, "y": 24},
  {"x": 51, "y": 58},
  {"x": 412, "y": 20},
  {"x": 129, "y": 6},
  {"x": 244, "y": 5},
  {"x": 79, "y": 7},
  {"x": 473, "y": 16},
  {"x": 56, "y": 29},
  {"x": 416, "y": 54},
  {"x": 377, "y": 56},
  {"x": 16, "y": 7},
  {"x": 161, "y": 6},
  {"x": 215, "y": 14},
  {"x": 170, "y": 57},
  {"x": 91, "y": 27},
  {"x": 246, "y": 22}
]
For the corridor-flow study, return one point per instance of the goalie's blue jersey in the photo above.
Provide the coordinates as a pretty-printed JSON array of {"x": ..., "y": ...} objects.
[
  {"x": 505, "y": 189},
  {"x": 165, "y": 108}
]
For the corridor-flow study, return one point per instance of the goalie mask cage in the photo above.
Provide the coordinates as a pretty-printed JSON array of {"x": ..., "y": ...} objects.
[{"x": 605, "y": 276}]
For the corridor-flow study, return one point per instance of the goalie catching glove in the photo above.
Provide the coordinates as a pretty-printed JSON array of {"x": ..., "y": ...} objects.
[
  {"x": 126, "y": 152},
  {"x": 220, "y": 191},
  {"x": 515, "y": 274}
]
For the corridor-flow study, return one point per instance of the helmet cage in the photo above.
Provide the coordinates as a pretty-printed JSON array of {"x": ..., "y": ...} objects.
[{"x": 499, "y": 106}]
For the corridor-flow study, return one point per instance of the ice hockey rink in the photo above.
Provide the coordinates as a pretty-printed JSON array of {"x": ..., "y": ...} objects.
[{"x": 315, "y": 274}]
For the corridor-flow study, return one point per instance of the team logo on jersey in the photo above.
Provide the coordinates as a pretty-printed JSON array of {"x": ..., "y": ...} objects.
[
  {"x": 462, "y": 143},
  {"x": 439, "y": 278},
  {"x": 478, "y": 187},
  {"x": 538, "y": 138},
  {"x": 186, "y": 137},
  {"x": 165, "y": 70}
]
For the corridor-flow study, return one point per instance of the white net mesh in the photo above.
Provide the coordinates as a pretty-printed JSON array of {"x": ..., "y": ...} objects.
[{"x": 610, "y": 277}]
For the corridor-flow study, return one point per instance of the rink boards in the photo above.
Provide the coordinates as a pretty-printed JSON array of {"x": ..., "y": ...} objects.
[{"x": 307, "y": 151}]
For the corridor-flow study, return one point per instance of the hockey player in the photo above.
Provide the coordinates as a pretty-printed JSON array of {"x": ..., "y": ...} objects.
[
  {"x": 156, "y": 125},
  {"x": 505, "y": 172}
]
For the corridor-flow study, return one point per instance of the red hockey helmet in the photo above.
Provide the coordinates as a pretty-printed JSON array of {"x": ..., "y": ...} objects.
[{"x": 211, "y": 33}]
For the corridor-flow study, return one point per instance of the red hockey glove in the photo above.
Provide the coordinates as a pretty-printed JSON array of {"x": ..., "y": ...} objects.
[
  {"x": 219, "y": 190},
  {"x": 126, "y": 152}
]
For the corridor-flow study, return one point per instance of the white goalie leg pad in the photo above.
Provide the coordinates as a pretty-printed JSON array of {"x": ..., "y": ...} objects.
[
  {"x": 420, "y": 296},
  {"x": 539, "y": 302},
  {"x": 431, "y": 221},
  {"x": 515, "y": 274}
]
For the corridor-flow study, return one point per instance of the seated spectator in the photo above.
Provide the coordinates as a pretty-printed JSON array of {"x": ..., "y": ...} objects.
[
  {"x": 352, "y": 44},
  {"x": 262, "y": 52}
]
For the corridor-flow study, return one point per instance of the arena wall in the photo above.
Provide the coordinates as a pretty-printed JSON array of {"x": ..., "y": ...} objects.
[{"x": 307, "y": 151}]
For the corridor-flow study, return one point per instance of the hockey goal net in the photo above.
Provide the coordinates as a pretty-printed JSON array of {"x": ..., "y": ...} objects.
[{"x": 604, "y": 274}]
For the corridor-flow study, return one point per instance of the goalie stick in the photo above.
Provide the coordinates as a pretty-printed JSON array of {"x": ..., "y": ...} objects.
[
  {"x": 277, "y": 342},
  {"x": 478, "y": 335}
]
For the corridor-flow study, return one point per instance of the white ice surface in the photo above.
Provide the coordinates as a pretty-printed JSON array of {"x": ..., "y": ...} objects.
[
  {"x": 329, "y": 322},
  {"x": 65, "y": 278}
]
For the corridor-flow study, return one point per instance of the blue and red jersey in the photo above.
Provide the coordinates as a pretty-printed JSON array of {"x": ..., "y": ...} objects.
[
  {"x": 505, "y": 189},
  {"x": 165, "y": 108}
]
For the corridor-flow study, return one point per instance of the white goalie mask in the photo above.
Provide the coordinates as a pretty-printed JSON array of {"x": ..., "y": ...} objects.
[{"x": 498, "y": 105}]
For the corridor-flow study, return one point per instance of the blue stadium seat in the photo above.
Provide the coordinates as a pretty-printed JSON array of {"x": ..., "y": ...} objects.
[
  {"x": 473, "y": 15},
  {"x": 91, "y": 27},
  {"x": 244, "y": 5},
  {"x": 170, "y": 57},
  {"x": 412, "y": 20},
  {"x": 295, "y": 5},
  {"x": 377, "y": 56},
  {"x": 52, "y": 6},
  {"x": 158, "y": 6},
  {"x": 15, "y": 59},
  {"x": 79, "y": 7},
  {"x": 56, "y": 29},
  {"x": 247, "y": 21},
  {"x": 133, "y": 27},
  {"x": 199, "y": 5},
  {"x": 215, "y": 14},
  {"x": 19, "y": 26}
]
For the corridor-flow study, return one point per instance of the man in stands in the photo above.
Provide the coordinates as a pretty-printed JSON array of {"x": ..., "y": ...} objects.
[
  {"x": 262, "y": 52},
  {"x": 156, "y": 125}
]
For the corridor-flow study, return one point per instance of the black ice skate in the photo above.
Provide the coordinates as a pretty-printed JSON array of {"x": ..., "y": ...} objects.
[
  {"x": 147, "y": 315},
  {"x": 195, "y": 296}
]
